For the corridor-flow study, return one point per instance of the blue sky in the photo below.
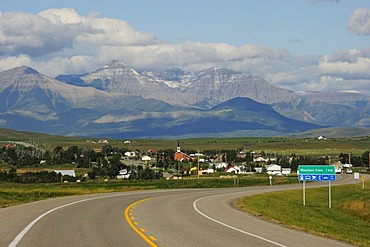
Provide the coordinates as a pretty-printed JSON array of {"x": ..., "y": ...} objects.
[
  {"x": 296, "y": 44},
  {"x": 302, "y": 26}
]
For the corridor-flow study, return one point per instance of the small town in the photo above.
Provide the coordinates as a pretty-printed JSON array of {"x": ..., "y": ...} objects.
[{"x": 109, "y": 162}]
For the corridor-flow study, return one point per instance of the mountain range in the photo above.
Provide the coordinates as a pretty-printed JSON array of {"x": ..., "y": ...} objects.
[{"x": 119, "y": 102}]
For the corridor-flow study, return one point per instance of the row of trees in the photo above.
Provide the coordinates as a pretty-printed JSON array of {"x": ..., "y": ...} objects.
[
  {"x": 82, "y": 157},
  {"x": 85, "y": 157},
  {"x": 33, "y": 177},
  {"x": 108, "y": 162},
  {"x": 103, "y": 164}
]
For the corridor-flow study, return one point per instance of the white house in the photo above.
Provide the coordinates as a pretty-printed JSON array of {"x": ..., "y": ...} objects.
[
  {"x": 286, "y": 171},
  {"x": 208, "y": 171},
  {"x": 338, "y": 167},
  {"x": 124, "y": 174},
  {"x": 146, "y": 158},
  {"x": 234, "y": 169},
  {"x": 258, "y": 169},
  {"x": 273, "y": 169},
  {"x": 218, "y": 165},
  {"x": 130, "y": 154},
  {"x": 259, "y": 159},
  {"x": 264, "y": 159},
  {"x": 237, "y": 169}
]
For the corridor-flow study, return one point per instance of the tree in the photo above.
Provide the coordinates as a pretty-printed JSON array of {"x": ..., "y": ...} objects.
[
  {"x": 56, "y": 155},
  {"x": 344, "y": 158},
  {"x": 365, "y": 158},
  {"x": 12, "y": 157},
  {"x": 114, "y": 165},
  {"x": 47, "y": 156},
  {"x": 12, "y": 174}
]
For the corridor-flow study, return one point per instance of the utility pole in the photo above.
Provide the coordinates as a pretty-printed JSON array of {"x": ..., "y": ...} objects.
[{"x": 198, "y": 164}]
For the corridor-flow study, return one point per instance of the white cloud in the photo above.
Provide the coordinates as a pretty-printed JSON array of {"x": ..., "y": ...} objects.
[
  {"x": 66, "y": 65},
  {"x": 54, "y": 30},
  {"x": 34, "y": 35},
  {"x": 351, "y": 64},
  {"x": 359, "y": 22},
  {"x": 108, "y": 31},
  {"x": 60, "y": 41},
  {"x": 253, "y": 59},
  {"x": 63, "y": 16},
  {"x": 14, "y": 61},
  {"x": 333, "y": 83}
]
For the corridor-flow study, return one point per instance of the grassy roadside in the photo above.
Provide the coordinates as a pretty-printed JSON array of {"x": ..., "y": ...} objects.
[
  {"x": 348, "y": 220},
  {"x": 13, "y": 194}
]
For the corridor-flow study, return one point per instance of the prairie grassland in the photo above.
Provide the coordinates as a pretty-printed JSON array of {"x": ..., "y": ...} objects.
[
  {"x": 359, "y": 208},
  {"x": 280, "y": 145},
  {"x": 348, "y": 220},
  {"x": 12, "y": 193}
]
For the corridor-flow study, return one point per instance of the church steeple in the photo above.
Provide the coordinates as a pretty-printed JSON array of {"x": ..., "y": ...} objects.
[{"x": 178, "y": 146}]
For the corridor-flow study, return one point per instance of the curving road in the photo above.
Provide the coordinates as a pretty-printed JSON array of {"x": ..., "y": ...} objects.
[{"x": 183, "y": 218}]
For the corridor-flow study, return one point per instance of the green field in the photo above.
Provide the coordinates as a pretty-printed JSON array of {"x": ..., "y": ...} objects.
[
  {"x": 13, "y": 193},
  {"x": 348, "y": 220},
  {"x": 273, "y": 145}
]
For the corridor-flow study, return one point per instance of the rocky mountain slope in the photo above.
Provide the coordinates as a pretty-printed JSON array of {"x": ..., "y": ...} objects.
[
  {"x": 213, "y": 86},
  {"x": 24, "y": 91},
  {"x": 117, "y": 77},
  {"x": 118, "y": 100},
  {"x": 238, "y": 116}
]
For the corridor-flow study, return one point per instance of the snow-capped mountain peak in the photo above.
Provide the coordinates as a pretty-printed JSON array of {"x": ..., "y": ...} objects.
[{"x": 173, "y": 100}]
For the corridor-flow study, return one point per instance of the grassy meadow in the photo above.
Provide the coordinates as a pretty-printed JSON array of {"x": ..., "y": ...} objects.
[
  {"x": 273, "y": 145},
  {"x": 13, "y": 193},
  {"x": 348, "y": 220}
]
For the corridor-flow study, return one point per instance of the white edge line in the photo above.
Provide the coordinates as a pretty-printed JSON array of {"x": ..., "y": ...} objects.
[
  {"x": 231, "y": 227},
  {"x": 19, "y": 237}
]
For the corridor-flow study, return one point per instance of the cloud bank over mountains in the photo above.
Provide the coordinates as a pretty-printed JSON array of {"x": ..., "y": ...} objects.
[{"x": 61, "y": 41}]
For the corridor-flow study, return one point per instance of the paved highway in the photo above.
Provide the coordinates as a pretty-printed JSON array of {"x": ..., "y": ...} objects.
[{"x": 183, "y": 218}]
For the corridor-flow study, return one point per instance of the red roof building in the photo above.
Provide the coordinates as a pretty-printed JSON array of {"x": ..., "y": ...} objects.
[
  {"x": 180, "y": 156},
  {"x": 9, "y": 146}
]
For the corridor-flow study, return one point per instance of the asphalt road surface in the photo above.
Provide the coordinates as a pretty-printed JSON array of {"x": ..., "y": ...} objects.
[{"x": 196, "y": 217}]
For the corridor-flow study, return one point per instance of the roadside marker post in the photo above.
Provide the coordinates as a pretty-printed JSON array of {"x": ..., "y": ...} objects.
[
  {"x": 316, "y": 173},
  {"x": 356, "y": 176},
  {"x": 329, "y": 194},
  {"x": 304, "y": 192},
  {"x": 363, "y": 182}
]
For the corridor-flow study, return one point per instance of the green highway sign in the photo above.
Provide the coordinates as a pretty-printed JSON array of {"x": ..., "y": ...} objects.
[
  {"x": 316, "y": 173},
  {"x": 316, "y": 170}
]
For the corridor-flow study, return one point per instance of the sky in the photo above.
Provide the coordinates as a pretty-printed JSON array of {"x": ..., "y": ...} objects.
[{"x": 300, "y": 45}]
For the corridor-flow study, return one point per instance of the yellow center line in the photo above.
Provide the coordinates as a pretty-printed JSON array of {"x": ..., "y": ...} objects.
[{"x": 128, "y": 211}]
